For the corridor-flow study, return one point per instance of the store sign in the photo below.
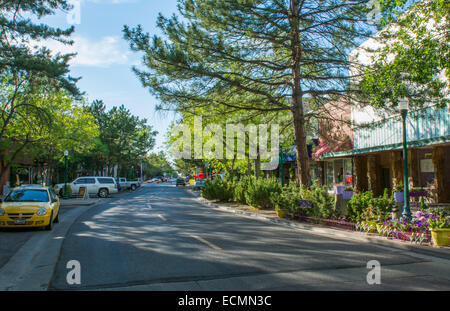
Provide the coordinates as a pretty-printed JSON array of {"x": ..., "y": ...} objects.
[{"x": 426, "y": 166}]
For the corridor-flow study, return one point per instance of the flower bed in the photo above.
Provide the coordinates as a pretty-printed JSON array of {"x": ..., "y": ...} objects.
[{"x": 406, "y": 235}]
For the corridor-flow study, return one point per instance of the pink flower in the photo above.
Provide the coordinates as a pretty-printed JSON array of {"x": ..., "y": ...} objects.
[{"x": 419, "y": 214}]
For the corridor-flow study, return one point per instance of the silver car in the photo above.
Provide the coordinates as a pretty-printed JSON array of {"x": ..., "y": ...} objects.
[{"x": 102, "y": 186}]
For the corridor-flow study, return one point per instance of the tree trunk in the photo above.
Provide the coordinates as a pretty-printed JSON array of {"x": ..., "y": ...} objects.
[
  {"x": 258, "y": 166},
  {"x": 303, "y": 177}
]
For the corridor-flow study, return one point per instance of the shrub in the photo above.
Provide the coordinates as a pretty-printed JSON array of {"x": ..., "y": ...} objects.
[
  {"x": 260, "y": 190},
  {"x": 288, "y": 199},
  {"x": 357, "y": 204},
  {"x": 219, "y": 189},
  {"x": 241, "y": 188},
  {"x": 364, "y": 207},
  {"x": 323, "y": 203}
]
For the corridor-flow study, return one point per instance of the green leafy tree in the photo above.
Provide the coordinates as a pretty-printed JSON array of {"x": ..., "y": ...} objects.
[
  {"x": 125, "y": 138},
  {"x": 71, "y": 128},
  {"x": 414, "y": 60},
  {"x": 156, "y": 164},
  {"x": 28, "y": 75}
]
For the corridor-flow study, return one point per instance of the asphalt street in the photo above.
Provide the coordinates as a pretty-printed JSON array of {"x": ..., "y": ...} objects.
[{"x": 161, "y": 238}]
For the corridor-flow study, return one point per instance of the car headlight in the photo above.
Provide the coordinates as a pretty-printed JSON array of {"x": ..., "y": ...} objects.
[
  {"x": 2, "y": 212},
  {"x": 42, "y": 212}
]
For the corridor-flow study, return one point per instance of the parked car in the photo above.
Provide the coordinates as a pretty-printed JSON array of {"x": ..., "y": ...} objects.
[
  {"x": 125, "y": 184},
  {"x": 199, "y": 184},
  {"x": 30, "y": 206},
  {"x": 180, "y": 182},
  {"x": 102, "y": 186}
]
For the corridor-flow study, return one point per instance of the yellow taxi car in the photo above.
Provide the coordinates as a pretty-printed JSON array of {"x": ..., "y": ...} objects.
[{"x": 30, "y": 206}]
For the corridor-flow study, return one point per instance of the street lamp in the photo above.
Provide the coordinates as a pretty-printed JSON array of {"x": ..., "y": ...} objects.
[
  {"x": 281, "y": 166},
  {"x": 406, "y": 214},
  {"x": 66, "y": 194}
]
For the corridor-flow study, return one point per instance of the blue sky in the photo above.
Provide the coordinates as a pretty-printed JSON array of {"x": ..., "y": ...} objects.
[{"x": 104, "y": 60}]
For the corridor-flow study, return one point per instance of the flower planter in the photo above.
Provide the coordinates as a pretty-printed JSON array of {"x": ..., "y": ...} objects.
[
  {"x": 280, "y": 213},
  {"x": 347, "y": 195},
  {"x": 440, "y": 236},
  {"x": 399, "y": 196},
  {"x": 418, "y": 194},
  {"x": 339, "y": 189}
]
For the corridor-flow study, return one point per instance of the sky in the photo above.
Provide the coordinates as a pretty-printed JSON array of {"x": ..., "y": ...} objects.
[{"x": 104, "y": 59}]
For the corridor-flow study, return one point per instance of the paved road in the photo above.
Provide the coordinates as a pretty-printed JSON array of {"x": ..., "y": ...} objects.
[{"x": 161, "y": 238}]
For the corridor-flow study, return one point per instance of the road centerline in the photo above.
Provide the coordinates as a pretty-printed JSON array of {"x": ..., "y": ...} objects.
[{"x": 205, "y": 241}]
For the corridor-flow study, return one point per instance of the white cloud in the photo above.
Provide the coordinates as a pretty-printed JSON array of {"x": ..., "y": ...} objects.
[{"x": 107, "y": 51}]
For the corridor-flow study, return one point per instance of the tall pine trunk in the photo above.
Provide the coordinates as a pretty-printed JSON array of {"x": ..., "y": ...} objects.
[{"x": 303, "y": 177}]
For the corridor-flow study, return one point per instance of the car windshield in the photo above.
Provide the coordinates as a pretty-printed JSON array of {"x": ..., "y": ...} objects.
[{"x": 28, "y": 195}]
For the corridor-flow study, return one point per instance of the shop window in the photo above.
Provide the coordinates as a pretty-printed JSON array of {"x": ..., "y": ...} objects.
[{"x": 348, "y": 172}]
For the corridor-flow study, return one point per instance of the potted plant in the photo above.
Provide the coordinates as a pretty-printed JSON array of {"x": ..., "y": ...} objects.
[
  {"x": 347, "y": 193},
  {"x": 339, "y": 189},
  {"x": 399, "y": 195},
  {"x": 439, "y": 227},
  {"x": 418, "y": 192},
  {"x": 281, "y": 213}
]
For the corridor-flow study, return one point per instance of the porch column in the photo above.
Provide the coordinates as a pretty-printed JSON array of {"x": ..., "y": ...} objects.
[
  {"x": 439, "y": 174},
  {"x": 320, "y": 172},
  {"x": 372, "y": 174},
  {"x": 360, "y": 174},
  {"x": 396, "y": 168},
  {"x": 413, "y": 158}
]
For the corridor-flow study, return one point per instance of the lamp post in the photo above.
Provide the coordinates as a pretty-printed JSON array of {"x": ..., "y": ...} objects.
[
  {"x": 281, "y": 166},
  {"x": 66, "y": 194},
  {"x": 406, "y": 214}
]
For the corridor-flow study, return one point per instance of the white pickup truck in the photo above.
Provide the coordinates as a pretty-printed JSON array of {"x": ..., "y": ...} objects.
[{"x": 125, "y": 184}]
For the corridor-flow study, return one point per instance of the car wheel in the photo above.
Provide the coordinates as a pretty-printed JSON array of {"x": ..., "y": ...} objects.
[
  {"x": 103, "y": 193},
  {"x": 49, "y": 227},
  {"x": 133, "y": 187}
]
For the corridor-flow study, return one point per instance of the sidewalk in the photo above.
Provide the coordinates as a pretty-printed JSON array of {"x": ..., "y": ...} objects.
[{"x": 271, "y": 216}]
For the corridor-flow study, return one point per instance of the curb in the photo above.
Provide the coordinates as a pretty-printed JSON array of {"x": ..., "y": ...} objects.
[
  {"x": 441, "y": 252},
  {"x": 80, "y": 204}
]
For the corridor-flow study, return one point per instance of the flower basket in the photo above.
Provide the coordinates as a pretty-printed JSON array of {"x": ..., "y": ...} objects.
[
  {"x": 347, "y": 195},
  {"x": 418, "y": 194},
  {"x": 339, "y": 189},
  {"x": 440, "y": 236},
  {"x": 399, "y": 196}
]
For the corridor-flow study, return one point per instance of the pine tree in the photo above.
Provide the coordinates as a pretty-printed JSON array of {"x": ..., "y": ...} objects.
[
  {"x": 19, "y": 33},
  {"x": 269, "y": 49}
]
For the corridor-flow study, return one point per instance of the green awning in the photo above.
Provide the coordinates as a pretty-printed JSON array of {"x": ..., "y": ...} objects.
[{"x": 411, "y": 144}]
